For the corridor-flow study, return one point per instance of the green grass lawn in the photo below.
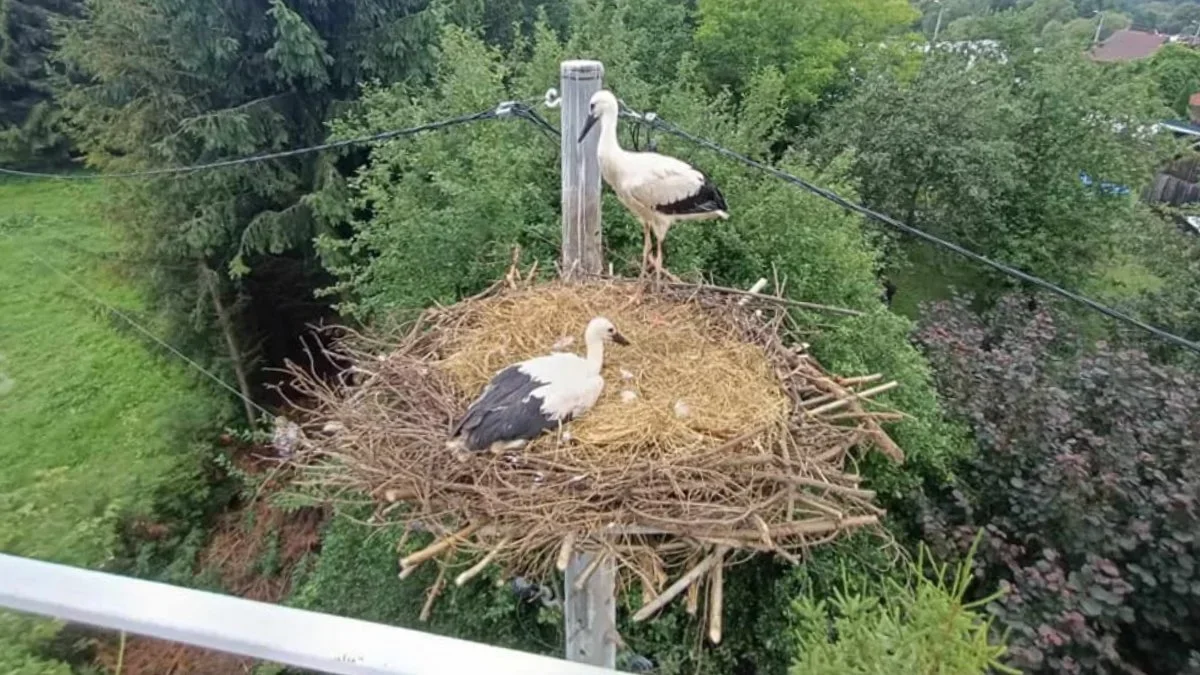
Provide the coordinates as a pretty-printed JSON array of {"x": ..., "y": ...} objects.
[{"x": 92, "y": 419}]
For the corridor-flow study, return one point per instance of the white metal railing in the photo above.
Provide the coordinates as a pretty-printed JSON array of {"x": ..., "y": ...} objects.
[{"x": 273, "y": 633}]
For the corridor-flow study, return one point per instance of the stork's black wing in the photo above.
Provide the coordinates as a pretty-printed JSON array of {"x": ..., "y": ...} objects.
[
  {"x": 705, "y": 200},
  {"x": 506, "y": 411}
]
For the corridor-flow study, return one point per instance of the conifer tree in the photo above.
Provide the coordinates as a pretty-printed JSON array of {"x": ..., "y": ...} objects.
[
  {"x": 29, "y": 129},
  {"x": 160, "y": 83}
]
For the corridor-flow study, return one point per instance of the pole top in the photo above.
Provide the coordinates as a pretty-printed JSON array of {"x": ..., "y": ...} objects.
[{"x": 582, "y": 69}]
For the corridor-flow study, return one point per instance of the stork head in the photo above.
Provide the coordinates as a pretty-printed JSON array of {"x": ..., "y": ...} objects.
[
  {"x": 603, "y": 104},
  {"x": 601, "y": 329}
]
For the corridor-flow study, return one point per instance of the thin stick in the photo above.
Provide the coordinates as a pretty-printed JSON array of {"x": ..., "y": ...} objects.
[
  {"x": 758, "y": 296},
  {"x": 758, "y": 286},
  {"x": 434, "y": 591},
  {"x": 716, "y": 598},
  {"x": 564, "y": 553},
  {"x": 693, "y": 599},
  {"x": 862, "y": 379},
  {"x": 679, "y": 586},
  {"x": 121, "y": 654},
  {"x": 482, "y": 564},
  {"x": 821, "y": 506},
  {"x": 768, "y": 298},
  {"x": 817, "y": 400},
  {"x": 404, "y": 537},
  {"x": 865, "y": 495},
  {"x": 828, "y": 407},
  {"x": 823, "y": 525},
  {"x": 439, "y": 546},
  {"x": 863, "y": 414}
]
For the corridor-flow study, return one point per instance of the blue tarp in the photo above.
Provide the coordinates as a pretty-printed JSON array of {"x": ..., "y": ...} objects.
[{"x": 1108, "y": 188}]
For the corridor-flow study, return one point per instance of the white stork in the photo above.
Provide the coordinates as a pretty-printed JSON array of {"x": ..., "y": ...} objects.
[
  {"x": 530, "y": 397},
  {"x": 659, "y": 190}
]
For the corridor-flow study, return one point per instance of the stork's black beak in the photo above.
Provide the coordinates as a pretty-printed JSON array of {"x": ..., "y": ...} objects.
[
  {"x": 587, "y": 126},
  {"x": 620, "y": 339}
]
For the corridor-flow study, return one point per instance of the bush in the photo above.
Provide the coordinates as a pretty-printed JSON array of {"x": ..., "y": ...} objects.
[
  {"x": 1087, "y": 480},
  {"x": 919, "y": 627}
]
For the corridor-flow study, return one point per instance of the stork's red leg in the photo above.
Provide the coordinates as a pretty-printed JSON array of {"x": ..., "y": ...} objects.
[
  {"x": 658, "y": 264},
  {"x": 645, "y": 250},
  {"x": 660, "y": 271}
]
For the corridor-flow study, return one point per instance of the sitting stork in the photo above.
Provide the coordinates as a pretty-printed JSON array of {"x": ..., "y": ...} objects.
[
  {"x": 657, "y": 189},
  {"x": 527, "y": 398}
]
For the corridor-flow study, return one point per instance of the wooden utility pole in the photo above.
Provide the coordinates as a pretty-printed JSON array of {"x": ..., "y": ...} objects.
[
  {"x": 581, "y": 244},
  {"x": 590, "y": 611}
]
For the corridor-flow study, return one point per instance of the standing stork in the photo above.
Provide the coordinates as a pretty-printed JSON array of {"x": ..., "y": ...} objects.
[
  {"x": 659, "y": 190},
  {"x": 527, "y": 398}
]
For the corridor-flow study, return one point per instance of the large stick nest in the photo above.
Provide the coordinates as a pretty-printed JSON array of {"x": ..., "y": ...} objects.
[{"x": 712, "y": 438}]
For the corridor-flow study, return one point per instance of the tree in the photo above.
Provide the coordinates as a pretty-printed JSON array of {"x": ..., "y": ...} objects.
[
  {"x": 29, "y": 121},
  {"x": 1176, "y": 71},
  {"x": 1086, "y": 484},
  {"x": 990, "y": 153},
  {"x": 161, "y": 83},
  {"x": 812, "y": 44},
  {"x": 1172, "y": 256}
]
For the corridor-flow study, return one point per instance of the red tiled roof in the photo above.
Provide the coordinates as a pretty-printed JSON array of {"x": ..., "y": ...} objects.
[{"x": 1127, "y": 45}]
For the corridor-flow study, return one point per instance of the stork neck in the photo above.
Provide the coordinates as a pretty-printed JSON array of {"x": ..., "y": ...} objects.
[
  {"x": 608, "y": 139},
  {"x": 595, "y": 354}
]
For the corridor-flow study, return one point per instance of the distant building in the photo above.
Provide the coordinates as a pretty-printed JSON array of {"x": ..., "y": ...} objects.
[{"x": 1129, "y": 45}]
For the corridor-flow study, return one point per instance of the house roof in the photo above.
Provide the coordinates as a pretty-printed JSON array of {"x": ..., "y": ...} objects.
[{"x": 1128, "y": 45}]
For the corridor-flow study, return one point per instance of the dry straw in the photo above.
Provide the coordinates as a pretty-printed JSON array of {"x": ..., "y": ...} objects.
[{"x": 712, "y": 439}]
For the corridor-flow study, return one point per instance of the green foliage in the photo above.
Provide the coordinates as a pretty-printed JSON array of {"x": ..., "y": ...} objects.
[
  {"x": 30, "y": 130},
  {"x": 18, "y": 633},
  {"x": 1176, "y": 71},
  {"x": 1166, "y": 16},
  {"x": 922, "y": 626},
  {"x": 1085, "y": 482},
  {"x": 1176, "y": 302},
  {"x": 763, "y": 632},
  {"x": 443, "y": 215},
  {"x": 299, "y": 52},
  {"x": 159, "y": 83},
  {"x": 96, "y": 422},
  {"x": 813, "y": 43},
  {"x": 356, "y": 575},
  {"x": 990, "y": 156}
]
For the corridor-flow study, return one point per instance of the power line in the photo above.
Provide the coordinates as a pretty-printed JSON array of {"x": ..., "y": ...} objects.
[
  {"x": 505, "y": 109},
  {"x": 654, "y": 121},
  {"x": 144, "y": 331},
  {"x": 520, "y": 109}
]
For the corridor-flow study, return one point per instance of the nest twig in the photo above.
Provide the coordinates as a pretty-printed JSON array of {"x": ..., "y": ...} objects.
[{"x": 712, "y": 436}]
